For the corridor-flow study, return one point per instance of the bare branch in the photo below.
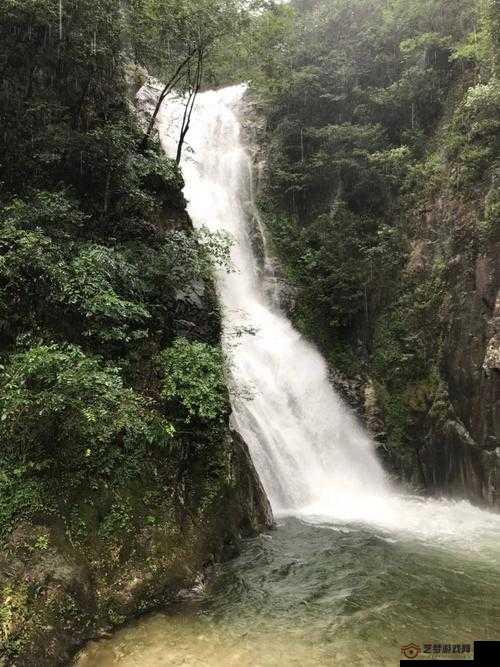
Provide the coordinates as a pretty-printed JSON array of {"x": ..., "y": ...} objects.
[
  {"x": 188, "y": 111},
  {"x": 179, "y": 73}
]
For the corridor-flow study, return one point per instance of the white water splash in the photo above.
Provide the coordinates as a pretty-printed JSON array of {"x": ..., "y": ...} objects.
[{"x": 313, "y": 458}]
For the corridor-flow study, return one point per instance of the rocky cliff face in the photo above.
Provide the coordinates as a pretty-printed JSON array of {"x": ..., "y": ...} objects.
[
  {"x": 462, "y": 453},
  {"x": 59, "y": 593},
  {"x": 452, "y": 422},
  {"x": 422, "y": 371},
  {"x": 127, "y": 544}
]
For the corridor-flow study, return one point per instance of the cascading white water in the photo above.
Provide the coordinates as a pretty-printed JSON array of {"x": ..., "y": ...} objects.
[
  {"x": 302, "y": 439},
  {"x": 312, "y": 456},
  {"x": 306, "y": 597}
]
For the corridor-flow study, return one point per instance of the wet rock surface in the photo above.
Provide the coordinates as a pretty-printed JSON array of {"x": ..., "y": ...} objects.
[{"x": 55, "y": 595}]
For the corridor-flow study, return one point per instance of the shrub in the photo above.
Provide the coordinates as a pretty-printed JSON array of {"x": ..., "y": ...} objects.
[
  {"x": 194, "y": 376},
  {"x": 52, "y": 213},
  {"x": 473, "y": 142},
  {"x": 31, "y": 265},
  {"x": 95, "y": 282},
  {"x": 63, "y": 408}
]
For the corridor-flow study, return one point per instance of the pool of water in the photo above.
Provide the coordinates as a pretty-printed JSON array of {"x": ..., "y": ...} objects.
[{"x": 312, "y": 593}]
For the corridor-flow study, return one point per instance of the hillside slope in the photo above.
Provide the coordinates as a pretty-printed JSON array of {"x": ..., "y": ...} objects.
[
  {"x": 381, "y": 197},
  {"x": 120, "y": 479}
]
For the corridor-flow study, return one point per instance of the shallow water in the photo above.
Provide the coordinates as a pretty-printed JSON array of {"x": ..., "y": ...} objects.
[{"x": 329, "y": 594}]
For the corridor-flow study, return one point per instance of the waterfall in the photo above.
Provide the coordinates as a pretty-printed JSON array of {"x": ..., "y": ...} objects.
[
  {"x": 304, "y": 442},
  {"x": 314, "y": 459}
]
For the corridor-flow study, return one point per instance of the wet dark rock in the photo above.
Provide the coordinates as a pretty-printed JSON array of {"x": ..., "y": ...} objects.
[
  {"x": 251, "y": 502},
  {"x": 351, "y": 389},
  {"x": 56, "y": 596}
]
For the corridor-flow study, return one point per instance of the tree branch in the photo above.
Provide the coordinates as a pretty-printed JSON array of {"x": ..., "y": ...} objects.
[
  {"x": 165, "y": 92},
  {"x": 188, "y": 111}
]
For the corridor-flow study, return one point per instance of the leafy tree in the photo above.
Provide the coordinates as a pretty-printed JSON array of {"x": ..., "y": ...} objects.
[
  {"x": 174, "y": 38},
  {"x": 359, "y": 89},
  {"x": 30, "y": 268},
  {"x": 99, "y": 267},
  {"x": 382, "y": 146}
]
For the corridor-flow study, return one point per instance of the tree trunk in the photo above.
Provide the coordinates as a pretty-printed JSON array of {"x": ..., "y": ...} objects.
[
  {"x": 166, "y": 91},
  {"x": 188, "y": 111}
]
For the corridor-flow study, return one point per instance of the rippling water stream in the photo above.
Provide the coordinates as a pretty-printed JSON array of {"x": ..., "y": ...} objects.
[{"x": 322, "y": 595}]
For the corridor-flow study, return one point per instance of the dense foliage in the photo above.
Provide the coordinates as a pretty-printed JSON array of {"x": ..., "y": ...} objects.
[
  {"x": 109, "y": 329},
  {"x": 380, "y": 111},
  {"x": 381, "y": 197}
]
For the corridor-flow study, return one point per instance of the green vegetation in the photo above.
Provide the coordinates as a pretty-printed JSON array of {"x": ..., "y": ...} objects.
[
  {"x": 383, "y": 149},
  {"x": 99, "y": 269},
  {"x": 382, "y": 140},
  {"x": 194, "y": 375},
  {"x": 113, "y": 404}
]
